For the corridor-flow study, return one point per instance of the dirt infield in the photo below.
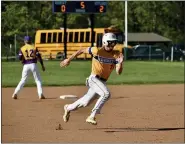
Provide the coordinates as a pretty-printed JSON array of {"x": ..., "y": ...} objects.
[{"x": 141, "y": 113}]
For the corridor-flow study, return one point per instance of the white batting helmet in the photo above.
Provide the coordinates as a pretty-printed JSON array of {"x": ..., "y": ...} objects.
[{"x": 108, "y": 37}]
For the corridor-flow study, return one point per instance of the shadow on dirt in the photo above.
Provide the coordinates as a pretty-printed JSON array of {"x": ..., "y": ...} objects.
[
  {"x": 109, "y": 130},
  {"x": 44, "y": 99},
  {"x": 119, "y": 97}
]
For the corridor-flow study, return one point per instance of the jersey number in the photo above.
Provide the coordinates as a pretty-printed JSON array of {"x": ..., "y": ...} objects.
[{"x": 29, "y": 53}]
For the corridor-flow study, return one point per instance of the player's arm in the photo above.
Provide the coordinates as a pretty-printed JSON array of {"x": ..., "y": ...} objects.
[
  {"x": 21, "y": 57},
  {"x": 79, "y": 52},
  {"x": 40, "y": 59},
  {"x": 119, "y": 65}
]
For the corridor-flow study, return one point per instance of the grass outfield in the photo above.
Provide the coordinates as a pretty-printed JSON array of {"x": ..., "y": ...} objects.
[{"x": 76, "y": 73}]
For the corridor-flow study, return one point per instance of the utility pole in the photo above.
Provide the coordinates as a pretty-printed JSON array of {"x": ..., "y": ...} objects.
[
  {"x": 184, "y": 21},
  {"x": 92, "y": 29},
  {"x": 27, "y": 18},
  {"x": 65, "y": 35},
  {"x": 126, "y": 32}
]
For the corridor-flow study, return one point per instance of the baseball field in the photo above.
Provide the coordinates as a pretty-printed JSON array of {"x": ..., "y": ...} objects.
[{"x": 146, "y": 105}]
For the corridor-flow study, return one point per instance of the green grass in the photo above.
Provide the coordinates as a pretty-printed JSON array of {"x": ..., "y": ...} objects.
[{"x": 76, "y": 73}]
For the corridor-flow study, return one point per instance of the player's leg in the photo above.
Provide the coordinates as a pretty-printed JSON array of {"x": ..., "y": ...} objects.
[
  {"x": 101, "y": 89},
  {"x": 82, "y": 102},
  {"x": 37, "y": 79},
  {"x": 25, "y": 74}
]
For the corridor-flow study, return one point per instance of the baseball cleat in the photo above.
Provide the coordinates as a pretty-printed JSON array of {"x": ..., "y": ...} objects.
[
  {"x": 91, "y": 120},
  {"x": 14, "y": 96},
  {"x": 42, "y": 97},
  {"x": 66, "y": 114}
]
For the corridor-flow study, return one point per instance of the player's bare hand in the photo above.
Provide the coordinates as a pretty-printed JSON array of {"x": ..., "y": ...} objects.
[
  {"x": 43, "y": 68},
  {"x": 120, "y": 58},
  {"x": 64, "y": 63}
]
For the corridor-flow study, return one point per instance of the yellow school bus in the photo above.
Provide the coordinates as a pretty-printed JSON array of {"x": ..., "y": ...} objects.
[{"x": 50, "y": 43}]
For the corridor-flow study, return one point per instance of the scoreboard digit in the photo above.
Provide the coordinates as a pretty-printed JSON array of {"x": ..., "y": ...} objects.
[
  {"x": 63, "y": 8},
  {"x": 82, "y": 5},
  {"x": 101, "y": 8}
]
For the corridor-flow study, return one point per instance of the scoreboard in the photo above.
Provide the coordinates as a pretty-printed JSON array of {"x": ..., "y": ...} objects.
[{"x": 79, "y": 6}]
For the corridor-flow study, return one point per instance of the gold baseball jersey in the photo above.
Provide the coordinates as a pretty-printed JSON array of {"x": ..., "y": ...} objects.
[
  {"x": 29, "y": 53},
  {"x": 103, "y": 62}
]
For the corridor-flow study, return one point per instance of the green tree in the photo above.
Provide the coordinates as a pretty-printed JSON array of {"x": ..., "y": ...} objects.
[{"x": 162, "y": 17}]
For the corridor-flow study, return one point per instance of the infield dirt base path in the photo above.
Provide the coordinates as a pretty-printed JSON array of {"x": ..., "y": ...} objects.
[{"x": 141, "y": 113}]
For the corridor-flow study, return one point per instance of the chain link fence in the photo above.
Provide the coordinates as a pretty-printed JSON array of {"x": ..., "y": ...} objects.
[
  {"x": 154, "y": 52},
  {"x": 10, "y": 46}
]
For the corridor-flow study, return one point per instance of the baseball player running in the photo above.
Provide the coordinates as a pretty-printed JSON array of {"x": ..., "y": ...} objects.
[
  {"x": 28, "y": 54},
  {"x": 103, "y": 62}
]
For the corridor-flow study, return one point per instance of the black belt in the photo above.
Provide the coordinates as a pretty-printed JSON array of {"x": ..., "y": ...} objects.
[{"x": 100, "y": 78}]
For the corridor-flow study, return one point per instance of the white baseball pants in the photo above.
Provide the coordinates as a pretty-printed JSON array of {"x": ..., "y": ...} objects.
[
  {"x": 27, "y": 69},
  {"x": 96, "y": 86}
]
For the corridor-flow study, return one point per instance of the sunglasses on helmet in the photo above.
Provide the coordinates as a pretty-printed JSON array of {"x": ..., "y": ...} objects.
[{"x": 112, "y": 43}]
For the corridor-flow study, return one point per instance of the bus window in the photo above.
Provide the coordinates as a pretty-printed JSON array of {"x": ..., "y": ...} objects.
[
  {"x": 99, "y": 39},
  {"x": 59, "y": 37},
  {"x": 76, "y": 36},
  {"x": 54, "y": 37},
  {"x": 43, "y": 38},
  {"x": 82, "y": 37},
  {"x": 87, "y": 37},
  {"x": 71, "y": 37},
  {"x": 49, "y": 37}
]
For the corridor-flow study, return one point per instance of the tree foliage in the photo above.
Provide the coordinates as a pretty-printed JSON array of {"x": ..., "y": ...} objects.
[{"x": 162, "y": 17}]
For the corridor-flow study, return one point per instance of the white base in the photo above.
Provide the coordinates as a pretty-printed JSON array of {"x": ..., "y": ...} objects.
[{"x": 68, "y": 97}]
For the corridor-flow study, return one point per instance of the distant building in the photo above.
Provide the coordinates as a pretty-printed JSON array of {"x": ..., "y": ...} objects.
[{"x": 147, "y": 39}]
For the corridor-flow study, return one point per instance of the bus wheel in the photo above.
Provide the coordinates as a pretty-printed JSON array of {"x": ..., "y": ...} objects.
[
  {"x": 60, "y": 56},
  {"x": 181, "y": 58},
  {"x": 167, "y": 58}
]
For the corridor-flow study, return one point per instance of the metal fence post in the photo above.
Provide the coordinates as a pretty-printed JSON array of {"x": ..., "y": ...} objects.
[
  {"x": 15, "y": 45},
  {"x": 125, "y": 53},
  {"x": 172, "y": 54},
  {"x": 149, "y": 52},
  {"x": 10, "y": 49},
  {"x": 163, "y": 56}
]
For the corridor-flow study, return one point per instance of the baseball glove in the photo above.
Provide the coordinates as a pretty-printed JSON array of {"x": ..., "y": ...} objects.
[{"x": 64, "y": 63}]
